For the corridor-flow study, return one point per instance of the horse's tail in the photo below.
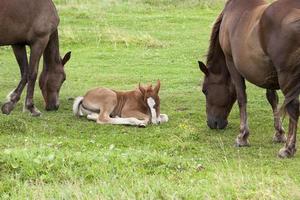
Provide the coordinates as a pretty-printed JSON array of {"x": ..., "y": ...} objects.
[{"x": 77, "y": 106}]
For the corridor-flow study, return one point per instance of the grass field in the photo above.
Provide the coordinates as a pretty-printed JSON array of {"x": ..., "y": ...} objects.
[{"x": 117, "y": 44}]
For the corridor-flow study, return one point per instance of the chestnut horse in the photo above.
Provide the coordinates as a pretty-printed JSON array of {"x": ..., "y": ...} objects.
[
  {"x": 259, "y": 42},
  {"x": 33, "y": 23},
  {"x": 138, "y": 107}
]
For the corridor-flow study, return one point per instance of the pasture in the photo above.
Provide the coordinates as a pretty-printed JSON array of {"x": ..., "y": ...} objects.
[{"x": 118, "y": 44}]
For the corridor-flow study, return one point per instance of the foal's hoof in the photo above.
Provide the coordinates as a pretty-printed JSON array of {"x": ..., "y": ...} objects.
[
  {"x": 279, "y": 138},
  {"x": 7, "y": 108},
  {"x": 142, "y": 125},
  {"x": 286, "y": 153},
  {"x": 242, "y": 142}
]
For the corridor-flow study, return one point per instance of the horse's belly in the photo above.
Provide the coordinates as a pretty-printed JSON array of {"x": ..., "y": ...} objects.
[{"x": 259, "y": 72}]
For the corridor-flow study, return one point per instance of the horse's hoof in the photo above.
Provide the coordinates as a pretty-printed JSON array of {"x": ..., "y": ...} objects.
[
  {"x": 242, "y": 143},
  {"x": 286, "y": 153},
  {"x": 35, "y": 112},
  {"x": 7, "y": 108},
  {"x": 279, "y": 138}
]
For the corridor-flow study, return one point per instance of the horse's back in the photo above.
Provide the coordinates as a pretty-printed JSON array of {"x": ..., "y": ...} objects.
[
  {"x": 239, "y": 38},
  {"x": 21, "y": 21},
  {"x": 280, "y": 30}
]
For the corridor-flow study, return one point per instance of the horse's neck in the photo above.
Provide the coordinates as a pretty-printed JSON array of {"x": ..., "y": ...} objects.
[{"x": 51, "y": 53}]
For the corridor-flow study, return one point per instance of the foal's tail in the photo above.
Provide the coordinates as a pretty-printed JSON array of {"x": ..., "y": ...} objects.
[{"x": 76, "y": 106}]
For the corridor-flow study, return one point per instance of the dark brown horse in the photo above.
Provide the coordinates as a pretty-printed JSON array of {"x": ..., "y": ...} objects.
[
  {"x": 259, "y": 42},
  {"x": 33, "y": 23}
]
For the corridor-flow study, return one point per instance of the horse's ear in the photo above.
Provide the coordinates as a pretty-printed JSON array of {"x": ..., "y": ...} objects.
[
  {"x": 157, "y": 87},
  {"x": 203, "y": 68},
  {"x": 142, "y": 89},
  {"x": 66, "y": 58}
]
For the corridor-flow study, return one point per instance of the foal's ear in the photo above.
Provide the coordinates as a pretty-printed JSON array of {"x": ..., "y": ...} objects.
[
  {"x": 157, "y": 87},
  {"x": 142, "y": 89},
  {"x": 203, "y": 68},
  {"x": 66, "y": 58}
]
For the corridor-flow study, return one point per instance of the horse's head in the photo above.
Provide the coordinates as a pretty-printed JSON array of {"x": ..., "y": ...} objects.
[
  {"x": 220, "y": 96},
  {"x": 51, "y": 81},
  {"x": 151, "y": 98}
]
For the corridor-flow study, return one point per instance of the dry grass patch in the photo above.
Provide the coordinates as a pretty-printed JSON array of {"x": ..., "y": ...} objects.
[{"x": 121, "y": 37}]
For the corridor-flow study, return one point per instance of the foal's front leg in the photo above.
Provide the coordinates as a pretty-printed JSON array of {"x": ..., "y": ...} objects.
[
  {"x": 14, "y": 97},
  {"x": 143, "y": 119},
  {"x": 163, "y": 118},
  {"x": 104, "y": 118},
  {"x": 273, "y": 100},
  {"x": 240, "y": 86}
]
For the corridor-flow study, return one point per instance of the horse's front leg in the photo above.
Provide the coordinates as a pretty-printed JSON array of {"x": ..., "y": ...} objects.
[
  {"x": 37, "y": 49},
  {"x": 240, "y": 87},
  {"x": 272, "y": 97},
  {"x": 14, "y": 96}
]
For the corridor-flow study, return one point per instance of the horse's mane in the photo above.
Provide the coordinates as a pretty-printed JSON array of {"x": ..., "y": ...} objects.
[{"x": 214, "y": 47}]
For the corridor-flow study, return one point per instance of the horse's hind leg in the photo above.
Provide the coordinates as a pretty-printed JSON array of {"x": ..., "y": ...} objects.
[
  {"x": 37, "y": 49},
  {"x": 14, "y": 97},
  {"x": 272, "y": 97},
  {"x": 290, "y": 147}
]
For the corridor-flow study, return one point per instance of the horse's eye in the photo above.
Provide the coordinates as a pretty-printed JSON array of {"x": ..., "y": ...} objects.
[{"x": 204, "y": 92}]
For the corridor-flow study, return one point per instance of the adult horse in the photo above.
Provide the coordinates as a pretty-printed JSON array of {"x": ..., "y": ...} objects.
[
  {"x": 259, "y": 42},
  {"x": 33, "y": 23}
]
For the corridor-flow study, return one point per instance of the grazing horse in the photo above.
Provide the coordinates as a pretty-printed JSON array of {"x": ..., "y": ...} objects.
[
  {"x": 138, "y": 107},
  {"x": 33, "y": 23},
  {"x": 259, "y": 42}
]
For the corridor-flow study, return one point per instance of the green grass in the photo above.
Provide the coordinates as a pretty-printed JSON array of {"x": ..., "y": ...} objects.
[{"x": 118, "y": 44}]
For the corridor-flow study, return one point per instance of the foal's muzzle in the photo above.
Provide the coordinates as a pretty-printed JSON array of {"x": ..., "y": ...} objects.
[{"x": 216, "y": 123}]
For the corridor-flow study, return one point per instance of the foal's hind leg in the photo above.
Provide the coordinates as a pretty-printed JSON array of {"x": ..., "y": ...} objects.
[
  {"x": 14, "y": 97},
  {"x": 273, "y": 100}
]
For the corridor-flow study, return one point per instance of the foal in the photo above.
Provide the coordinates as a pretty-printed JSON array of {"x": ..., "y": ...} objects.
[{"x": 138, "y": 107}]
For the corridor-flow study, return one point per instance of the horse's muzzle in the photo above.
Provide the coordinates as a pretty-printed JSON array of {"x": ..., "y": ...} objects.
[
  {"x": 216, "y": 123},
  {"x": 52, "y": 107}
]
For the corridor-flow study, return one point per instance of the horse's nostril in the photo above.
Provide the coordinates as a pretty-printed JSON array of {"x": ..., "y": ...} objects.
[
  {"x": 52, "y": 107},
  {"x": 212, "y": 124},
  {"x": 216, "y": 123}
]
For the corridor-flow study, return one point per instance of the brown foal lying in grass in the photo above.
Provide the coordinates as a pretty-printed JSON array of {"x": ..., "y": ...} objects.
[{"x": 138, "y": 107}]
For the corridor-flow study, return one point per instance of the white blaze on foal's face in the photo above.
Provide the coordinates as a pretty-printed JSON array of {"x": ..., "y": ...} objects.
[
  {"x": 151, "y": 103},
  {"x": 151, "y": 98}
]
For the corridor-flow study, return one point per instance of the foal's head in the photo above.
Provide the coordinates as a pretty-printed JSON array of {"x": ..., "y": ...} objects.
[
  {"x": 220, "y": 96},
  {"x": 51, "y": 81},
  {"x": 151, "y": 99}
]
